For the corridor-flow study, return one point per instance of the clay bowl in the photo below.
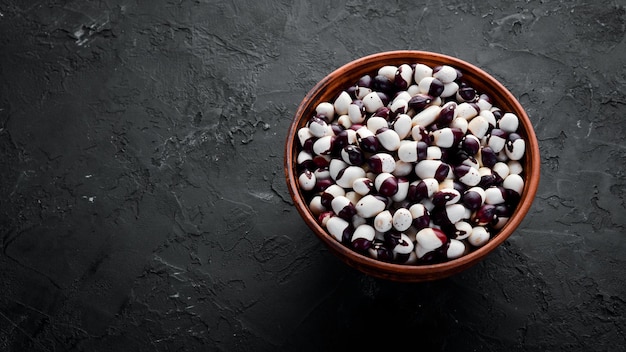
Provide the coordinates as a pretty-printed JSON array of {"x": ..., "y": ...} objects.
[{"x": 328, "y": 89}]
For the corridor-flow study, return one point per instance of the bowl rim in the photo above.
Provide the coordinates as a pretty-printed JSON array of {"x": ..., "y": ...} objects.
[{"x": 421, "y": 272}]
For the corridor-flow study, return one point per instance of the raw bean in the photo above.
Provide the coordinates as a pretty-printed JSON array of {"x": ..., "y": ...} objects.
[
  {"x": 318, "y": 127},
  {"x": 326, "y": 109},
  {"x": 342, "y": 206},
  {"x": 367, "y": 140},
  {"x": 373, "y": 101},
  {"x": 379, "y": 251},
  {"x": 382, "y": 162},
  {"x": 450, "y": 214},
  {"x": 324, "y": 145},
  {"x": 363, "y": 185},
  {"x": 398, "y": 242},
  {"x": 403, "y": 77},
  {"x": 339, "y": 228},
  {"x": 432, "y": 169},
  {"x": 467, "y": 175},
  {"x": 346, "y": 177},
  {"x": 485, "y": 215},
  {"x": 467, "y": 111},
  {"x": 383, "y": 222},
  {"x": 344, "y": 121},
  {"x": 489, "y": 117},
  {"x": 509, "y": 122},
  {"x": 356, "y": 111},
  {"x": 388, "y": 139},
  {"x": 422, "y": 189},
  {"x": 304, "y": 160},
  {"x": 431, "y": 86},
  {"x": 421, "y": 71},
  {"x": 419, "y": 102},
  {"x": 420, "y": 215},
  {"x": 434, "y": 153},
  {"x": 399, "y": 106},
  {"x": 375, "y": 123},
  {"x": 462, "y": 230},
  {"x": 403, "y": 189},
  {"x": 322, "y": 183},
  {"x": 344, "y": 139},
  {"x": 412, "y": 151},
  {"x": 514, "y": 182},
  {"x": 386, "y": 184},
  {"x": 460, "y": 123},
  {"x": 305, "y": 137},
  {"x": 381, "y": 83},
  {"x": 447, "y": 137},
  {"x": 316, "y": 205},
  {"x": 402, "y": 219},
  {"x": 329, "y": 194},
  {"x": 465, "y": 94},
  {"x": 447, "y": 114},
  {"x": 479, "y": 237},
  {"x": 370, "y": 205},
  {"x": 427, "y": 116},
  {"x": 478, "y": 126},
  {"x": 352, "y": 155},
  {"x": 342, "y": 103},
  {"x": 456, "y": 249},
  {"x": 353, "y": 197},
  {"x": 388, "y": 71},
  {"x": 501, "y": 169},
  {"x": 445, "y": 73},
  {"x": 473, "y": 198},
  {"x": 497, "y": 139},
  {"x": 419, "y": 134},
  {"x": 487, "y": 157},
  {"x": 445, "y": 197},
  {"x": 335, "y": 167},
  {"x": 515, "y": 167},
  {"x": 402, "y": 125},
  {"x": 363, "y": 237},
  {"x": 495, "y": 195},
  {"x": 449, "y": 89},
  {"x": 428, "y": 240},
  {"x": 484, "y": 102},
  {"x": 402, "y": 169},
  {"x": 515, "y": 147},
  {"x": 307, "y": 180}
]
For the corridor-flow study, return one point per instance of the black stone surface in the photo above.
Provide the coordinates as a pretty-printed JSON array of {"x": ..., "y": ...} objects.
[{"x": 142, "y": 199}]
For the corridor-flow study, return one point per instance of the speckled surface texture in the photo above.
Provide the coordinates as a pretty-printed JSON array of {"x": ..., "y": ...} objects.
[{"x": 143, "y": 205}]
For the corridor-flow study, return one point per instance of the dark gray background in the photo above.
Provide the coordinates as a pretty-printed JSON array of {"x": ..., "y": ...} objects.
[{"x": 143, "y": 204}]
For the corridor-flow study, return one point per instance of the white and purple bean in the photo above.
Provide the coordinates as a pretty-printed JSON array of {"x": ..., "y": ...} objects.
[{"x": 411, "y": 165}]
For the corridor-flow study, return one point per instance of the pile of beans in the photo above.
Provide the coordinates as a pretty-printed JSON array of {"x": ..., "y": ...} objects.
[{"x": 411, "y": 165}]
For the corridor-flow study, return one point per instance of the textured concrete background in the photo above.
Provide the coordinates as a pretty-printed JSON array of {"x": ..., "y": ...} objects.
[{"x": 142, "y": 199}]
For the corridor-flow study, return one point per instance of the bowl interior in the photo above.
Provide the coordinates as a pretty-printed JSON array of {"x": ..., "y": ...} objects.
[{"x": 328, "y": 89}]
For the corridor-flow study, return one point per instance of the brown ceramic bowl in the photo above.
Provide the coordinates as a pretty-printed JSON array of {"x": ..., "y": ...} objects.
[{"x": 328, "y": 89}]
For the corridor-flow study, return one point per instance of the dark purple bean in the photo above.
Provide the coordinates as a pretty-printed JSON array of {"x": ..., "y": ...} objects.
[
  {"x": 446, "y": 115},
  {"x": 473, "y": 199},
  {"x": 386, "y": 184},
  {"x": 382, "y": 112},
  {"x": 488, "y": 157},
  {"x": 365, "y": 81},
  {"x": 353, "y": 155},
  {"x": 382, "y": 84},
  {"x": 466, "y": 94},
  {"x": 485, "y": 215},
  {"x": 403, "y": 77},
  {"x": 420, "y": 101},
  {"x": 379, "y": 251}
]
